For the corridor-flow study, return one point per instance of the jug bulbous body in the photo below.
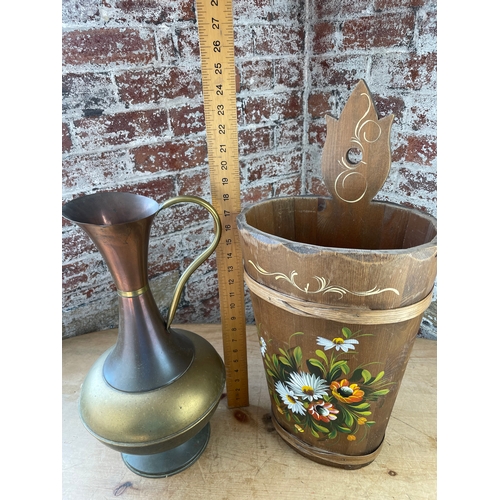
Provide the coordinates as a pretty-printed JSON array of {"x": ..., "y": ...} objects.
[{"x": 150, "y": 396}]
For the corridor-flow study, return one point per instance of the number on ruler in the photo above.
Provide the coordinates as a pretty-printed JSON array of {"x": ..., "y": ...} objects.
[{"x": 218, "y": 78}]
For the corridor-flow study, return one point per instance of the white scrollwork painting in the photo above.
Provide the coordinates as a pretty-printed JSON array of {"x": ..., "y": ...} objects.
[
  {"x": 323, "y": 284},
  {"x": 359, "y": 139}
]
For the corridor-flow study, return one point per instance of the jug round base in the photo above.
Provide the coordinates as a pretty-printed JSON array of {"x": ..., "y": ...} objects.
[{"x": 169, "y": 462}]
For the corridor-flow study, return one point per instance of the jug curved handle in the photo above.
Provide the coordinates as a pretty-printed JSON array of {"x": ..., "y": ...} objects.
[{"x": 201, "y": 258}]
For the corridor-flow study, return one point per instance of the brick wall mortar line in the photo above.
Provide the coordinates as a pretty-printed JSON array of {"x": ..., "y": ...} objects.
[
  {"x": 395, "y": 10},
  {"x": 80, "y": 151},
  {"x": 90, "y": 25},
  {"x": 266, "y": 57},
  {"x": 420, "y": 17},
  {"x": 112, "y": 77},
  {"x": 164, "y": 103},
  {"x": 360, "y": 52},
  {"x": 157, "y": 176},
  {"x": 157, "y": 49},
  {"x": 119, "y": 109},
  {"x": 156, "y": 141},
  {"x": 287, "y": 23},
  {"x": 265, "y": 182},
  {"x": 72, "y": 133},
  {"x": 181, "y": 62},
  {"x": 308, "y": 39},
  {"x": 132, "y": 180},
  {"x": 246, "y": 94},
  {"x": 277, "y": 150},
  {"x": 368, "y": 71},
  {"x": 175, "y": 41}
]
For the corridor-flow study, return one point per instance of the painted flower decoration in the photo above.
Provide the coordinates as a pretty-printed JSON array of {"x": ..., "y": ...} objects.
[
  {"x": 310, "y": 394},
  {"x": 337, "y": 343},
  {"x": 307, "y": 386},
  {"x": 320, "y": 410},
  {"x": 263, "y": 346},
  {"x": 348, "y": 393},
  {"x": 289, "y": 398}
]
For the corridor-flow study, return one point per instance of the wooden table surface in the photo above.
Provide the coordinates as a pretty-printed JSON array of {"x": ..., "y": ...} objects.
[{"x": 245, "y": 458}]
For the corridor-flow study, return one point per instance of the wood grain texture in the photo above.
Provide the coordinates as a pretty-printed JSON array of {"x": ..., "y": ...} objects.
[
  {"x": 245, "y": 457},
  {"x": 352, "y": 315},
  {"x": 311, "y": 237},
  {"x": 357, "y": 154},
  {"x": 324, "y": 271}
]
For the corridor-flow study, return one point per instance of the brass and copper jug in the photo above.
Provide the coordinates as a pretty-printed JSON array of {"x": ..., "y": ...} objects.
[{"x": 152, "y": 394}]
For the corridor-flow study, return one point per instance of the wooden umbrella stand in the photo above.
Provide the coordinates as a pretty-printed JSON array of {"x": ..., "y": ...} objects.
[{"x": 339, "y": 286}]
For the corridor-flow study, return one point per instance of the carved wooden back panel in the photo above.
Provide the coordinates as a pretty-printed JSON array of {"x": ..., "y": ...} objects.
[{"x": 357, "y": 156}]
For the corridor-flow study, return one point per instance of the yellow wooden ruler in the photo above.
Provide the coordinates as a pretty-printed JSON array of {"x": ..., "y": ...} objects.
[{"x": 215, "y": 28}]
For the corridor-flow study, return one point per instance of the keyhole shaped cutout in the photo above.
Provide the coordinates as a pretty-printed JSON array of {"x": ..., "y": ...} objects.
[{"x": 354, "y": 156}]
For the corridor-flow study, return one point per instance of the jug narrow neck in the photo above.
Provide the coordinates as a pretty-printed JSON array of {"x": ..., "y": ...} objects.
[{"x": 124, "y": 248}]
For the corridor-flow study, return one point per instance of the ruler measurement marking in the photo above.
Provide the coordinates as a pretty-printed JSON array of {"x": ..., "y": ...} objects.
[{"x": 215, "y": 30}]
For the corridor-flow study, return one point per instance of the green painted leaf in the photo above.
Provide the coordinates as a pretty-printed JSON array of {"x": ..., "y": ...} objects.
[
  {"x": 296, "y": 333},
  {"x": 285, "y": 361},
  {"x": 356, "y": 374},
  {"x": 364, "y": 413},
  {"x": 322, "y": 355},
  {"x": 338, "y": 364},
  {"x": 337, "y": 368},
  {"x": 313, "y": 369},
  {"x": 346, "y": 332},
  {"x": 382, "y": 392},
  {"x": 320, "y": 428},
  {"x": 276, "y": 362},
  {"x": 345, "y": 368},
  {"x": 378, "y": 377},
  {"x": 270, "y": 373},
  {"x": 333, "y": 434},
  {"x": 297, "y": 354},
  {"x": 366, "y": 376},
  {"x": 344, "y": 429},
  {"x": 348, "y": 419},
  {"x": 314, "y": 433},
  {"x": 360, "y": 406},
  {"x": 317, "y": 363}
]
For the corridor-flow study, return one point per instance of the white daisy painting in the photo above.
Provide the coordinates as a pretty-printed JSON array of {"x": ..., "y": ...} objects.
[
  {"x": 263, "y": 346},
  {"x": 307, "y": 386},
  {"x": 337, "y": 343},
  {"x": 289, "y": 398}
]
